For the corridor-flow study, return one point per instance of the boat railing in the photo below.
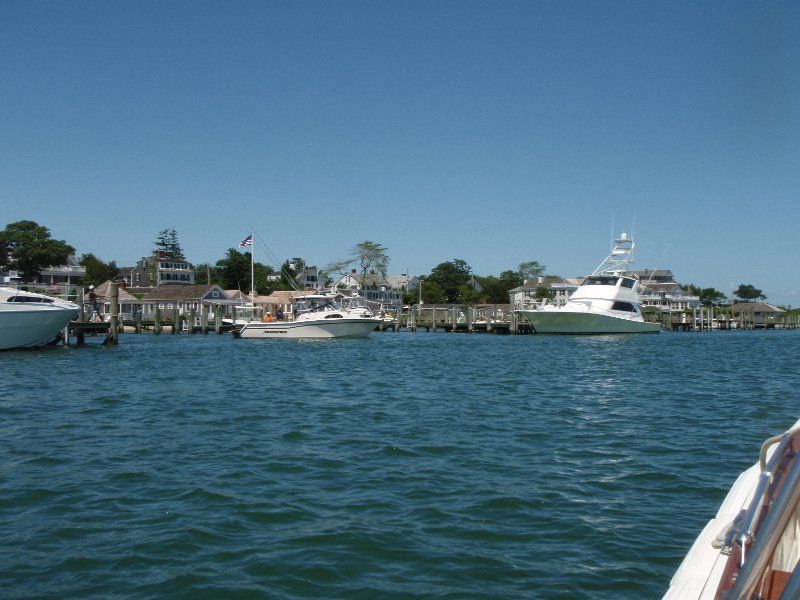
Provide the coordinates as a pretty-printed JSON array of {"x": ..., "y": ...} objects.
[
  {"x": 757, "y": 548},
  {"x": 748, "y": 524}
]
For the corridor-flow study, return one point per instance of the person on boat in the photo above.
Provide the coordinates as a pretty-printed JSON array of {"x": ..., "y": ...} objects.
[
  {"x": 279, "y": 314},
  {"x": 94, "y": 308}
]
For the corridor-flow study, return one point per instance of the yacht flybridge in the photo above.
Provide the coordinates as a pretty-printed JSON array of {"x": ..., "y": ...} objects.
[{"x": 606, "y": 302}]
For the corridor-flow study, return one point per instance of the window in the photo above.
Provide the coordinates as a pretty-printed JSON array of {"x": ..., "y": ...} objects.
[{"x": 623, "y": 306}]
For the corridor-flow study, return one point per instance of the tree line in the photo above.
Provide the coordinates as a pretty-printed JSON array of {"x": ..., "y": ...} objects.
[{"x": 28, "y": 248}]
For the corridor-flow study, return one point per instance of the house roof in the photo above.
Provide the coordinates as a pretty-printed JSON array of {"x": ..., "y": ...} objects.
[
  {"x": 547, "y": 282},
  {"x": 398, "y": 281},
  {"x": 756, "y": 307},
  {"x": 647, "y": 273},
  {"x": 654, "y": 287},
  {"x": 183, "y": 291},
  {"x": 281, "y": 297},
  {"x": 123, "y": 296}
]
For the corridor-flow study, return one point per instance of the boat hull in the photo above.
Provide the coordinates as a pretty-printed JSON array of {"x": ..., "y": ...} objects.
[
  {"x": 584, "y": 323},
  {"x": 33, "y": 326},
  {"x": 315, "y": 329}
]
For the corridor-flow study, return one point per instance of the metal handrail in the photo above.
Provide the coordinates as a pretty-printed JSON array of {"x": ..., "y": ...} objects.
[
  {"x": 745, "y": 533},
  {"x": 771, "y": 530},
  {"x": 784, "y": 437}
]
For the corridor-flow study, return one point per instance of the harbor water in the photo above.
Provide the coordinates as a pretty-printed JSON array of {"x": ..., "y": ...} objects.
[{"x": 406, "y": 465}]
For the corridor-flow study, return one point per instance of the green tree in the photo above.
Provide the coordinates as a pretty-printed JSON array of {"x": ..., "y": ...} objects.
[
  {"x": 289, "y": 276},
  {"x": 468, "y": 295},
  {"x": 432, "y": 293},
  {"x": 97, "y": 271},
  {"x": 167, "y": 242},
  {"x": 531, "y": 270},
  {"x": 450, "y": 276},
  {"x": 263, "y": 285},
  {"x": 28, "y": 248},
  {"x": 233, "y": 271},
  {"x": 336, "y": 269},
  {"x": 512, "y": 279},
  {"x": 370, "y": 256},
  {"x": 692, "y": 289},
  {"x": 748, "y": 293},
  {"x": 206, "y": 274},
  {"x": 708, "y": 296},
  {"x": 492, "y": 289},
  {"x": 712, "y": 297}
]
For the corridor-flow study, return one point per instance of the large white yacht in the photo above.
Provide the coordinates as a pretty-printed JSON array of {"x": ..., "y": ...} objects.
[
  {"x": 29, "y": 320},
  {"x": 606, "y": 302},
  {"x": 313, "y": 316},
  {"x": 751, "y": 548}
]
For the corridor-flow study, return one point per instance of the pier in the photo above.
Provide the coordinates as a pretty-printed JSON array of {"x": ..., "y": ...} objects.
[{"x": 483, "y": 319}]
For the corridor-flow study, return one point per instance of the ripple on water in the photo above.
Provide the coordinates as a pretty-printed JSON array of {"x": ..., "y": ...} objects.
[{"x": 403, "y": 466}]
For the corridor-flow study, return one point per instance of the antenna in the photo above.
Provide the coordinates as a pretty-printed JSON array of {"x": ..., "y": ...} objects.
[{"x": 271, "y": 256}]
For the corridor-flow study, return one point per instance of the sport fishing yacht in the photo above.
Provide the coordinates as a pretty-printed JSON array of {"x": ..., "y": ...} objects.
[
  {"x": 29, "y": 320},
  {"x": 606, "y": 302},
  {"x": 750, "y": 550}
]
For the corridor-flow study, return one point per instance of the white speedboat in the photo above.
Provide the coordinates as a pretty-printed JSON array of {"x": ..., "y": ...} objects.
[
  {"x": 751, "y": 549},
  {"x": 29, "y": 320},
  {"x": 313, "y": 316},
  {"x": 242, "y": 314},
  {"x": 606, "y": 302}
]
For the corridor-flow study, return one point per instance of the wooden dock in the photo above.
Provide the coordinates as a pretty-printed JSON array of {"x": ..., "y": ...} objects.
[{"x": 79, "y": 329}]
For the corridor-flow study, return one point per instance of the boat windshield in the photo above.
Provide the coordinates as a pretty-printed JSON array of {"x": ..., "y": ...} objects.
[
  {"x": 626, "y": 282},
  {"x": 600, "y": 280},
  {"x": 306, "y": 305}
]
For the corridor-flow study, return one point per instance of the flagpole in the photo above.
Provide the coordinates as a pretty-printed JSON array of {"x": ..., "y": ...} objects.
[{"x": 252, "y": 274}]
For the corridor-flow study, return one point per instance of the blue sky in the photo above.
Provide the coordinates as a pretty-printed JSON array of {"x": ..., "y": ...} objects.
[{"x": 493, "y": 132}]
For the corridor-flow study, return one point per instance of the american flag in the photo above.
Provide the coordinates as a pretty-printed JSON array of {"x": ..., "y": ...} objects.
[{"x": 248, "y": 241}]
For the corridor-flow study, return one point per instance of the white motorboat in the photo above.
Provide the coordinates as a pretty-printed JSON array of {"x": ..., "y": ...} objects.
[
  {"x": 606, "y": 302},
  {"x": 751, "y": 549},
  {"x": 313, "y": 316},
  {"x": 242, "y": 314},
  {"x": 29, "y": 320},
  {"x": 350, "y": 301}
]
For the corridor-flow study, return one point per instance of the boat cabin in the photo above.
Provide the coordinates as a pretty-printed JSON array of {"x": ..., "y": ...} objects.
[
  {"x": 312, "y": 304},
  {"x": 614, "y": 280}
]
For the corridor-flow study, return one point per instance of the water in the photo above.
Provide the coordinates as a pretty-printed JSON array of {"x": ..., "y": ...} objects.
[{"x": 403, "y": 466}]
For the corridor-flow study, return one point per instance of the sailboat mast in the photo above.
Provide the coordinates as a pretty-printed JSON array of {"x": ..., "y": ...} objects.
[{"x": 252, "y": 272}]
